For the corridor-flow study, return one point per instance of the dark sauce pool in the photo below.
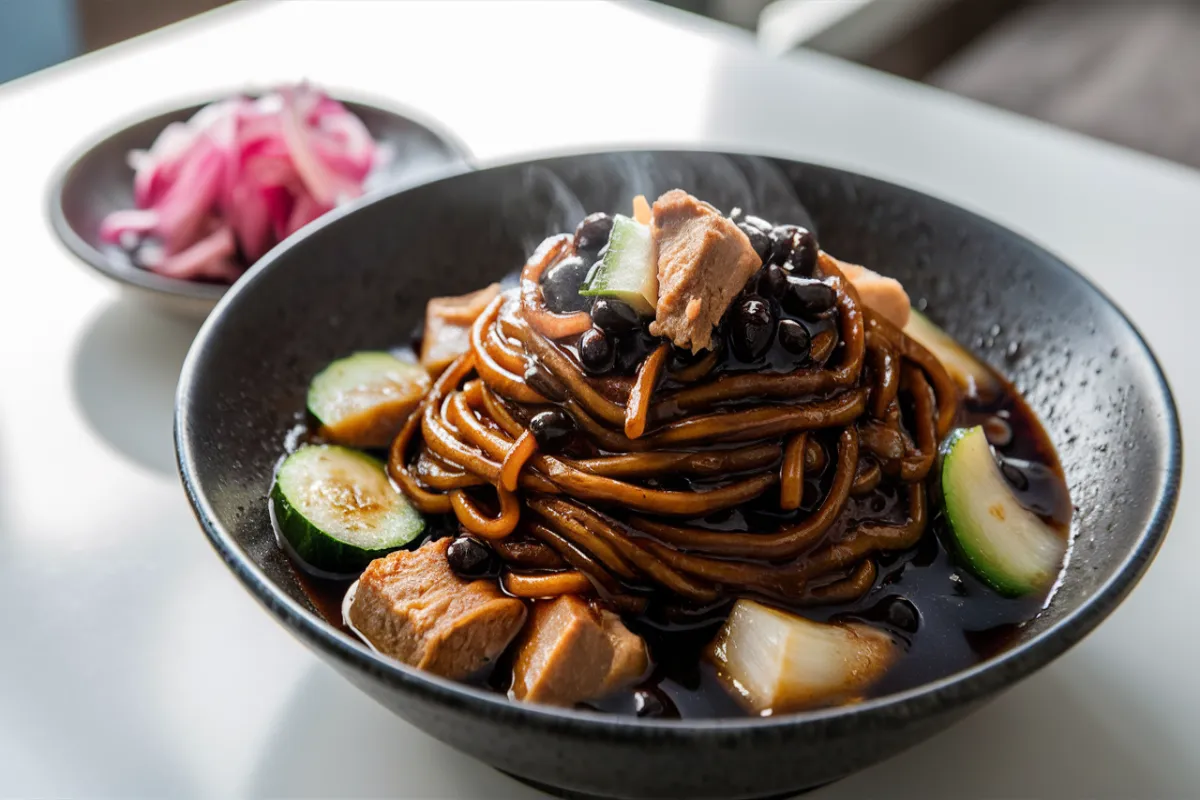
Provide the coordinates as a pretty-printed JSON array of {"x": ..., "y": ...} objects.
[{"x": 947, "y": 619}]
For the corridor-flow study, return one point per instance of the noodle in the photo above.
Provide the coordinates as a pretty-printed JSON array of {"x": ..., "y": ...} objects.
[
  {"x": 547, "y": 322},
  {"x": 521, "y": 451},
  {"x": 791, "y": 482},
  {"x": 549, "y": 584},
  {"x": 638, "y": 505}
]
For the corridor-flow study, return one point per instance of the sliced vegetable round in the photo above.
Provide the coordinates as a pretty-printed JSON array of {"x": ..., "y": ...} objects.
[
  {"x": 338, "y": 510},
  {"x": 1006, "y": 545},
  {"x": 364, "y": 399}
]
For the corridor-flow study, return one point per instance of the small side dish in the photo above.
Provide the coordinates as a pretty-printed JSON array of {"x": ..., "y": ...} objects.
[{"x": 215, "y": 193}]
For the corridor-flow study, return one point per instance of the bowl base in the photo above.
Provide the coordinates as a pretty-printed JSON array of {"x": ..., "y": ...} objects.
[{"x": 568, "y": 794}]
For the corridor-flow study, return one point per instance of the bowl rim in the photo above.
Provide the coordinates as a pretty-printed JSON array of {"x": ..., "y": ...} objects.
[
  {"x": 84, "y": 251},
  {"x": 957, "y": 689}
]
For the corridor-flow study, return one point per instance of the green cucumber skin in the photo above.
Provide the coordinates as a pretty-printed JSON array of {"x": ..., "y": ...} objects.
[
  {"x": 995, "y": 576},
  {"x": 965, "y": 545},
  {"x": 609, "y": 278},
  {"x": 319, "y": 549}
]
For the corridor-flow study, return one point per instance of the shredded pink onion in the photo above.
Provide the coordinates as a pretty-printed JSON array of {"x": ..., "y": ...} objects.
[{"x": 225, "y": 187}]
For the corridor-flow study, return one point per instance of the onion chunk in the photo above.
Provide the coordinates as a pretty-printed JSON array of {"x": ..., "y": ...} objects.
[{"x": 775, "y": 662}]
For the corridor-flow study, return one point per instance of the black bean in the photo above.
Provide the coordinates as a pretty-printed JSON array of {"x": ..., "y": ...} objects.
[
  {"x": 794, "y": 338},
  {"x": 759, "y": 240},
  {"x": 596, "y": 351},
  {"x": 613, "y": 316},
  {"x": 552, "y": 429},
  {"x": 808, "y": 297},
  {"x": 592, "y": 233},
  {"x": 902, "y": 614},
  {"x": 772, "y": 281},
  {"x": 1015, "y": 476},
  {"x": 560, "y": 286},
  {"x": 632, "y": 349},
  {"x": 803, "y": 258},
  {"x": 750, "y": 328},
  {"x": 783, "y": 238},
  {"x": 470, "y": 558}
]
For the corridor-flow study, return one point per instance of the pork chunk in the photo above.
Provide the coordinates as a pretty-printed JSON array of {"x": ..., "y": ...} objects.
[
  {"x": 448, "y": 323},
  {"x": 885, "y": 296},
  {"x": 412, "y": 607},
  {"x": 703, "y": 262},
  {"x": 564, "y": 654},
  {"x": 630, "y": 659},
  {"x": 571, "y": 652}
]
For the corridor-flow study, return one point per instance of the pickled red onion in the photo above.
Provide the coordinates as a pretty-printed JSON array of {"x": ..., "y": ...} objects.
[{"x": 222, "y": 189}]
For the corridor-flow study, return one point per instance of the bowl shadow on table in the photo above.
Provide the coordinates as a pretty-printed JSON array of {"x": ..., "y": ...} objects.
[
  {"x": 123, "y": 374},
  {"x": 1045, "y": 738},
  {"x": 331, "y": 740}
]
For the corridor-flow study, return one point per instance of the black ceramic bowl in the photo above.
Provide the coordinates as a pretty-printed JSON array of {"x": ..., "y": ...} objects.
[
  {"x": 98, "y": 180},
  {"x": 360, "y": 278}
]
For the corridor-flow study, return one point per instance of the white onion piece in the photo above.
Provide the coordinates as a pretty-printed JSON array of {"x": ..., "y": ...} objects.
[{"x": 775, "y": 662}]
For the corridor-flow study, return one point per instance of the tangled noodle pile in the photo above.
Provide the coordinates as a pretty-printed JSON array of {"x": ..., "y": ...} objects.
[{"x": 835, "y": 454}]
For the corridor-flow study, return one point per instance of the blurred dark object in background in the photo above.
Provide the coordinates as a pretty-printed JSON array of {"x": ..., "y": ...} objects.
[
  {"x": 1127, "y": 71},
  {"x": 1124, "y": 70},
  {"x": 38, "y": 33},
  {"x": 105, "y": 22}
]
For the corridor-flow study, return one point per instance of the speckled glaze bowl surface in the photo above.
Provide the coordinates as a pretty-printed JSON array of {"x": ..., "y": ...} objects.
[
  {"x": 360, "y": 278},
  {"x": 98, "y": 180}
]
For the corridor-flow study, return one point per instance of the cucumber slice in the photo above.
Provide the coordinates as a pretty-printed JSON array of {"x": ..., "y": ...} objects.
[
  {"x": 1006, "y": 545},
  {"x": 971, "y": 374},
  {"x": 364, "y": 399},
  {"x": 628, "y": 270},
  {"x": 338, "y": 510}
]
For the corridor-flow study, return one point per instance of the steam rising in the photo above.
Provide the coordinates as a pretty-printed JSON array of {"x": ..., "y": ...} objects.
[{"x": 553, "y": 196}]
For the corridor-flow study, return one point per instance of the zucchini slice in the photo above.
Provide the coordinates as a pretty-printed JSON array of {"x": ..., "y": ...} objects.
[
  {"x": 774, "y": 662},
  {"x": 1009, "y": 547},
  {"x": 364, "y": 399},
  {"x": 628, "y": 270},
  {"x": 971, "y": 374},
  {"x": 338, "y": 510}
]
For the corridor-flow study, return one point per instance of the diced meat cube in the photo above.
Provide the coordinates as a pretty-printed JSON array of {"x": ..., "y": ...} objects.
[
  {"x": 703, "y": 262},
  {"x": 630, "y": 659},
  {"x": 564, "y": 654},
  {"x": 885, "y": 296},
  {"x": 412, "y": 607},
  {"x": 571, "y": 652},
  {"x": 448, "y": 326}
]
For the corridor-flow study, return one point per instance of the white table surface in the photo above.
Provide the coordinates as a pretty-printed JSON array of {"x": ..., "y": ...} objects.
[{"x": 133, "y": 664}]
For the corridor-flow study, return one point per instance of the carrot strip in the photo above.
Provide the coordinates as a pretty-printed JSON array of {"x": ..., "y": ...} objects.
[{"x": 637, "y": 410}]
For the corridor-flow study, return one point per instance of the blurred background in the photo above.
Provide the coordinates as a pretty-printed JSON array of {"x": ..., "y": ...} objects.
[{"x": 1123, "y": 70}]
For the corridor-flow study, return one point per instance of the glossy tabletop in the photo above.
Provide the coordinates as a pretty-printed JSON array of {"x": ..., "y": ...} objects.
[{"x": 132, "y": 664}]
